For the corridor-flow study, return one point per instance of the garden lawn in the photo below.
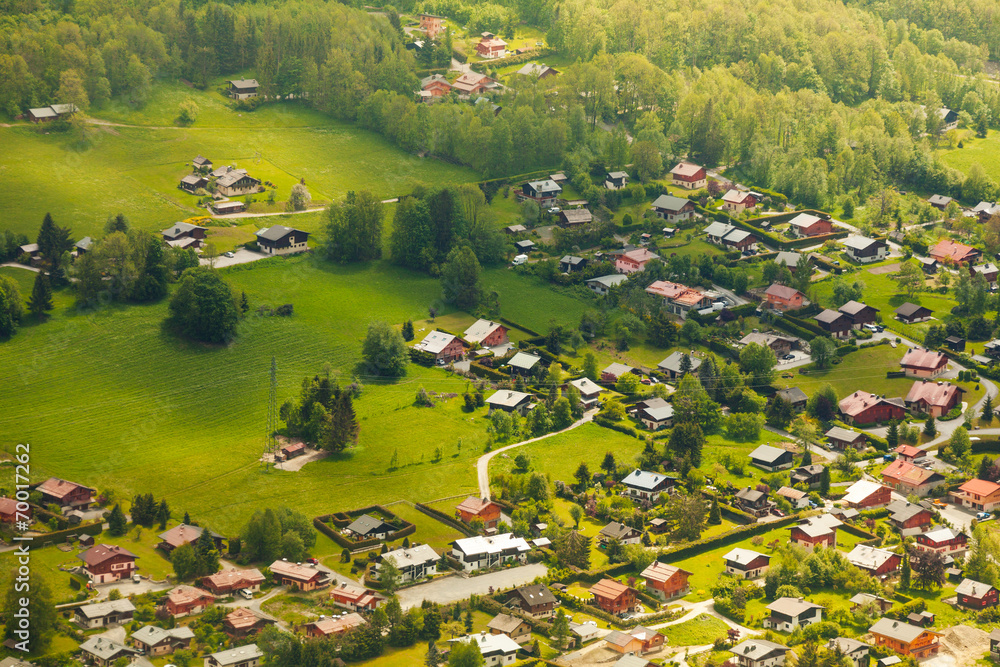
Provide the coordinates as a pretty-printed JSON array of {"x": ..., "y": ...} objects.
[
  {"x": 536, "y": 304},
  {"x": 864, "y": 369},
  {"x": 430, "y": 531},
  {"x": 985, "y": 152},
  {"x": 700, "y": 630},
  {"x": 717, "y": 446}
]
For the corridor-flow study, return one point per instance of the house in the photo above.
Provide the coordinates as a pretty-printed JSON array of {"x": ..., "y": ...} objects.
[
  {"x": 992, "y": 348},
  {"x": 911, "y": 313},
  {"x": 689, "y": 176},
  {"x": 984, "y": 210},
  {"x": 841, "y": 438},
  {"x": 955, "y": 344},
  {"x": 794, "y": 397},
  {"x": 539, "y": 71},
  {"x": 797, "y": 499},
  {"x": 642, "y": 485},
  {"x": 753, "y": 502},
  {"x": 939, "y": 201},
  {"x": 615, "y": 371},
  {"x": 673, "y": 209},
  {"x": 9, "y": 511},
  {"x": 237, "y": 182},
  {"x": 988, "y": 271},
  {"x": 413, "y": 563},
  {"x": 542, "y": 192},
  {"x": 920, "y": 362},
  {"x": 759, "y": 653},
  {"x": 790, "y": 613},
  {"x": 910, "y": 453},
  {"x": 732, "y": 237},
  {"x": 523, "y": 364},
  {"x": 933, "y": 398},
  {"x": 435, "y": 84},
  {"x": 574, "y": 217},
  {"x": 153, "y": 641},
  {"x": 817, "y": 530},
  {"x": 928, "y": 265},
  {"x": 634, "y": 260},
  {"x": 281, "y": 240},
  {"x": 590, "y": 391},
  {"x": 473, "y": 83},
  {"x": 569, "y": 263},
  {"x": 781, "y": 345},
  {"x": 864, "y": 408},
  {"x": 535, "y": 600},
  {"x": 586, "y": 631},
  {"x": 619, "y": 531},
  {"x": 480, "y": 553},
  {"x": 905, "y": 515},
  {"x": 655, "y": 417},
  {"x": 355, "y": 598},
  {"x": 635, "y": 642},
  {"x": 445, "y": 347},
  {"x": 49, "y": 113},
  {"x": 904, "y": 638},
  {"x": 296, "y": 576},
  {"x": 865, "y": 495},
  {"x": 738, "y": 201},
  {"x": 65, "y": 494},
  {"x": 865, "y": 599},
  {"x": 672, "y": 365},
  {"x": 186, "y": 600},
  {"x": 229, "y": 581},
  {"x": 874, "y": 561},
  {"x": 487, "y": 334},
  {"x": 809, "y": 475},
  {"x": 856, "y": 652},
  {"x": 104, "y": 614},
  {"x": 954, "y": 252},
  {"x": 243, "y": 621},
  {"x": 783, "y": 297},
  {"x": 495, "y": 649},
  {"x": 240, "y": 656},
  {"x": 806, "y": 224},
  {"x": 104, "y": 564},
  {"x": 679, "y": 299},
  {"x": 859, "y": 313},
  {"x": 848, "y": 515},
  {"x": 907, "y": 478},
  {"x": 613, "y": 596},
  {"x": 865, "y": 250},
  {"x": 491, "y": 46},
  {"x": 184, "y": 534},
  {"x": 514, "y": 230},
  {"x": 334, "y": 625},
  {"x": 512, "y": 626},
  {"x": 242, "y": 89},
  {"x": 837, "y": 324},
  {"x": 603, "y": 284},
  {"x": 82, "y": 246},
  {"x": 293, "y": 451},
  {"x": 201, "y": 163},
  {"x": 432, "y": 25},
  {"x": 995, "y": 644},
  {"x": 193, "y": 182},
  {"x": 771, "y": 458},
  {"x": 666, "y": 581},
  {"x": 483, "y": 509},
  {"x": 105, "y": 652},
  {"x": 978, "y": 494},
  {"x": 943, "y": 540},
  {"x": 367, "y": 527},
  {"x": 509, "y": 401},
  {"x": 746, "y": 564},
  {"x": 229, "y": 206},
  {"x": 616, "y": 180}
]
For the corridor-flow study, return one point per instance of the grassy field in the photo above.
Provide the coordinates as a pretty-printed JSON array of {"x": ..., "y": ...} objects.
[
  {"x": 864, "y": 369},
  {"x": 985, "y": 152},
  {"x": 701, "y": 630},
  {"x": 135, "y": 170}
]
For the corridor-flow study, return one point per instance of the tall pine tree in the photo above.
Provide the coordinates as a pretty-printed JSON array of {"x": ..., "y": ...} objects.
[{"x": 41, "y": 296}]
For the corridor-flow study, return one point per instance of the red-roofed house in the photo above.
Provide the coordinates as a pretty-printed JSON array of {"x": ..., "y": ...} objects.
[
  {"x": 806, "y": 224},
  {"x": 436, "y": 85},
  {"x": 65, "y": 494},
  {"x": 919, "y": 362},
  {"x": 106, "y": 563},
  {"x": 479, "y": 508},
  {"x": 910, "y": 453},
  {"x": 8, "y": 511},
  {"x": 689, "y": 176},
  {"x": 978, "y": 494},
  {"x": 355, "y": 598},
  {"x": 472, "y": 83},
  {"x": 431, "y": 25},
  {"x": 334, "y": 625},
  {"x": 185, "y": 600},
  {"x": 737, "y": 201},
  {"x": 666, "y": 581},
  {"x": 241, "y": 622},
  {"x": 634, "y": 260},
  {"x": 491, "y": 46},
  {"x": 613, "y": 596},
  {"x": 958, "y": 253},
  {"x": 230, "y": 581},
  {"x": 907, "y": 479},
  {"x": 296, "y": 576},
  {"x": 933, "y": 398},
  {"x": 783, "y": 297},
  {"x": 864, "y": 408}
]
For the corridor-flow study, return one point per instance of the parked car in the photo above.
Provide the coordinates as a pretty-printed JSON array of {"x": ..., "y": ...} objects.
[
  {"x": 872, "y": 328},
  {"x": 136, "y": 578},
  {"x": 880, "y": 328},
  {"x": 788, "y": 357},
  {"x": 246, "y": 593},
  {"x": 229, "y": 254},
  {"x": 984, "y": 516},
  {"x": 519, "y": 260}
]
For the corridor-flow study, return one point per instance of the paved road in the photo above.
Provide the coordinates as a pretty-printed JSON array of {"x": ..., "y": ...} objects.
[
  {"x": 15, "y": 265},
  {"x": 483, "y": 463},
  {"x": 737, "y": 300},
  {"x": 453, "y": 589},
  {"x": 241, "y": 256}
]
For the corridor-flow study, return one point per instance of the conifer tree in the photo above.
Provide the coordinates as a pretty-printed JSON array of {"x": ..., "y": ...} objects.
[
  {"x": 117, "y": 525},
  {"x": 41, "y": 296}
]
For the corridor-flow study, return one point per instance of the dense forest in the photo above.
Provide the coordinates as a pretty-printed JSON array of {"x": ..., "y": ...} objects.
[{"x": 813, "y": 98}]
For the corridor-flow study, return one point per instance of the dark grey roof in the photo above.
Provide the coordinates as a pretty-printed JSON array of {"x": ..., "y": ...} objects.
[
  {"x": 277, "y": 232},
  {"x": 767, "y": 453},
  {"x": 838, "y": 433},
  {"x": 524, "y": 361},
  {"x": 617, "y": 531},
  {"x": 793, "y": 395},
  {"x": 901, "y": 510},
  {"x": 828, "y": 316},
  {"x": 853, "y": 307},
  {"x": 670, "y": 203},
  {"x": 673, "y": 362},
  {"x": 366, "y": 524},
  {"x": 909, "y": 309}
]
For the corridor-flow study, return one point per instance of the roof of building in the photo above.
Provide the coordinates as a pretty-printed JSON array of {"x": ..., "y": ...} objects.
[
  {"x": 791, "y": 494},
  {"x": 860, "y": 490},
  {"x": 504, "y": 623},
  {"x": 536, "y": 69},
  {"x": 490, "y": 644},
  {"x": 366, "y": 524},
  {"x": 839, "y": 433},
  {"x": 829, "y": 316},
  {"x": 912, "y": 474},
  {"x": 419, "y": 554},
  {"x": 750, "y": 495},
  {"x": 658, "y": 413},
  {"x": 244, "y": 83},
  {"x": 685, "y": 169},
  {"x": 491, "y": 544},
  {"x": 846, "y": 645},
  {"x": 101, "y": 609},
  {"x": 743, "y": 556},
  {"x": 618, "y": 370},
  {"x": 940, "y": 199},
  {"x": 587, "y": 386},
  {"x": 910, "y": 309},
  {"x": 152, "y": 635},
  {"x": 948, "y": 249},
  {"x": 903, "y": 510},
  {"x": 480, "y": 330},
  {"x": 673, "y": 362},
  {"x": 793, "y": 606},
  {"x": 242, "y": 618},
  {"x": 631, "y": 661},
  {"x": 575, "y": 216},
  {"x": 608, "y": 588},
  {"x": 942, "y": 534},
  {"x": 105, "y": 649},
  {"x": 231, "y": 577},
  {"x": 768, "y": 454},
  {"x": 791, "y": 259},
  {"x": 236, "y": 655},
  {"x": 758, "y": 649},
  {"x": 435, "y": 342},
  {"x": 610, "y": 280},
  {"x": 868, "y": 557},
  {"x": 524, "y": 361},
  {"x": 988, "y": 267},
  {"x": 535, "y": 594},
  {"x": 434, "y": 78},
  {"x": 617, "y": 531},
  {"x": 792, "y": 395},
  {"x": 909, "y": 451},
  {"x": 232, "y": 177},
  {"x": 284, "y": 568},
  {"x": 658, "y": 571},
  {"x": 99, "y": 553},
  {"x": 182, "y": 595},
  {"x": 735, "y": 196},
  {"x": 782, "y": 291},
  {"x": 897, "y": 630},
  {"x": 338, "y": 624},
  {"x": 980, "y": 487},
  {"x": 860, "y": 401},
  {"x": 639, "y": 255},
  {"x": 804, "y": 220},
  {"x": 670, "y": 203},
  {"x": 277, "y": 232},
  {"x": 860, "y": 242},
  {"x": 920, "y": 357},
  {"x": 647, "y": 481},
  {"x": 933, "y": 393},
  {"x": 718, "y": 229},
  {"x": 545, "y": 186},
  {"x": 58, "y": 488},
  {"x": 852, "y": 308},
  {"x": 506, "y": 398},
  {"x": 868, "y": 598}
]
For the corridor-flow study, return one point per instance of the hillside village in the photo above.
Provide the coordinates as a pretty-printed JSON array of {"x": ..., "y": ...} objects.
[{"x": 553, "y": 368}]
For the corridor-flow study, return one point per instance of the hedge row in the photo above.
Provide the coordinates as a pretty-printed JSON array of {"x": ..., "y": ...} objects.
[
  {"x": 808, "y": 325},
  {"x": 320, "y": 523},
  {"x": 621, "y": 427},
  {"x": 736, "y": 535},
  {"x": 786, "y": 325},
  {"x": 422, "y": 357},
  {"x": 722, "y": 349},
  {"x": 858, "y": 532},
  {"x": 58, "y": 536},
  {"x": 481, "y": 371},
  {"x": 514, "y": 325},
  {"x": 445, "y": 519}
]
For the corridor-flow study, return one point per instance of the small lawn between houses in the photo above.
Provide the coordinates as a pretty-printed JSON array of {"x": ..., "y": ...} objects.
[{"x": 701, "y": 630}]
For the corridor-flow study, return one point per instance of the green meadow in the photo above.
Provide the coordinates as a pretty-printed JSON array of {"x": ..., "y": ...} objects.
[{"x": 984, "y": 152}]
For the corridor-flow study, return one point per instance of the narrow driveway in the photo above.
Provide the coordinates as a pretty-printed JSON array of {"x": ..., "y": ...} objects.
[
  {"x": 731, "y": 295},
  {"x": 455, "y": 588},
  {"x": 232, "y": 216},
  {"x": 15, "y": 265},
  {"x": 241, "y": 256},
  {"x": 483, "y": 463}
]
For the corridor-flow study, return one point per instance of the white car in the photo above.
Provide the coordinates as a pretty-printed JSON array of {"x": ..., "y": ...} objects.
[
  {"x": 519, "y": 260},
  {"x": 872, "y": 328},
  {"x": 246, "y": 593},
  {"x": 230, "y": 254}
]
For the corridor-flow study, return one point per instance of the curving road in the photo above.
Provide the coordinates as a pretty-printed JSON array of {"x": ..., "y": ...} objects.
[{"x": 483, "y": 462}]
